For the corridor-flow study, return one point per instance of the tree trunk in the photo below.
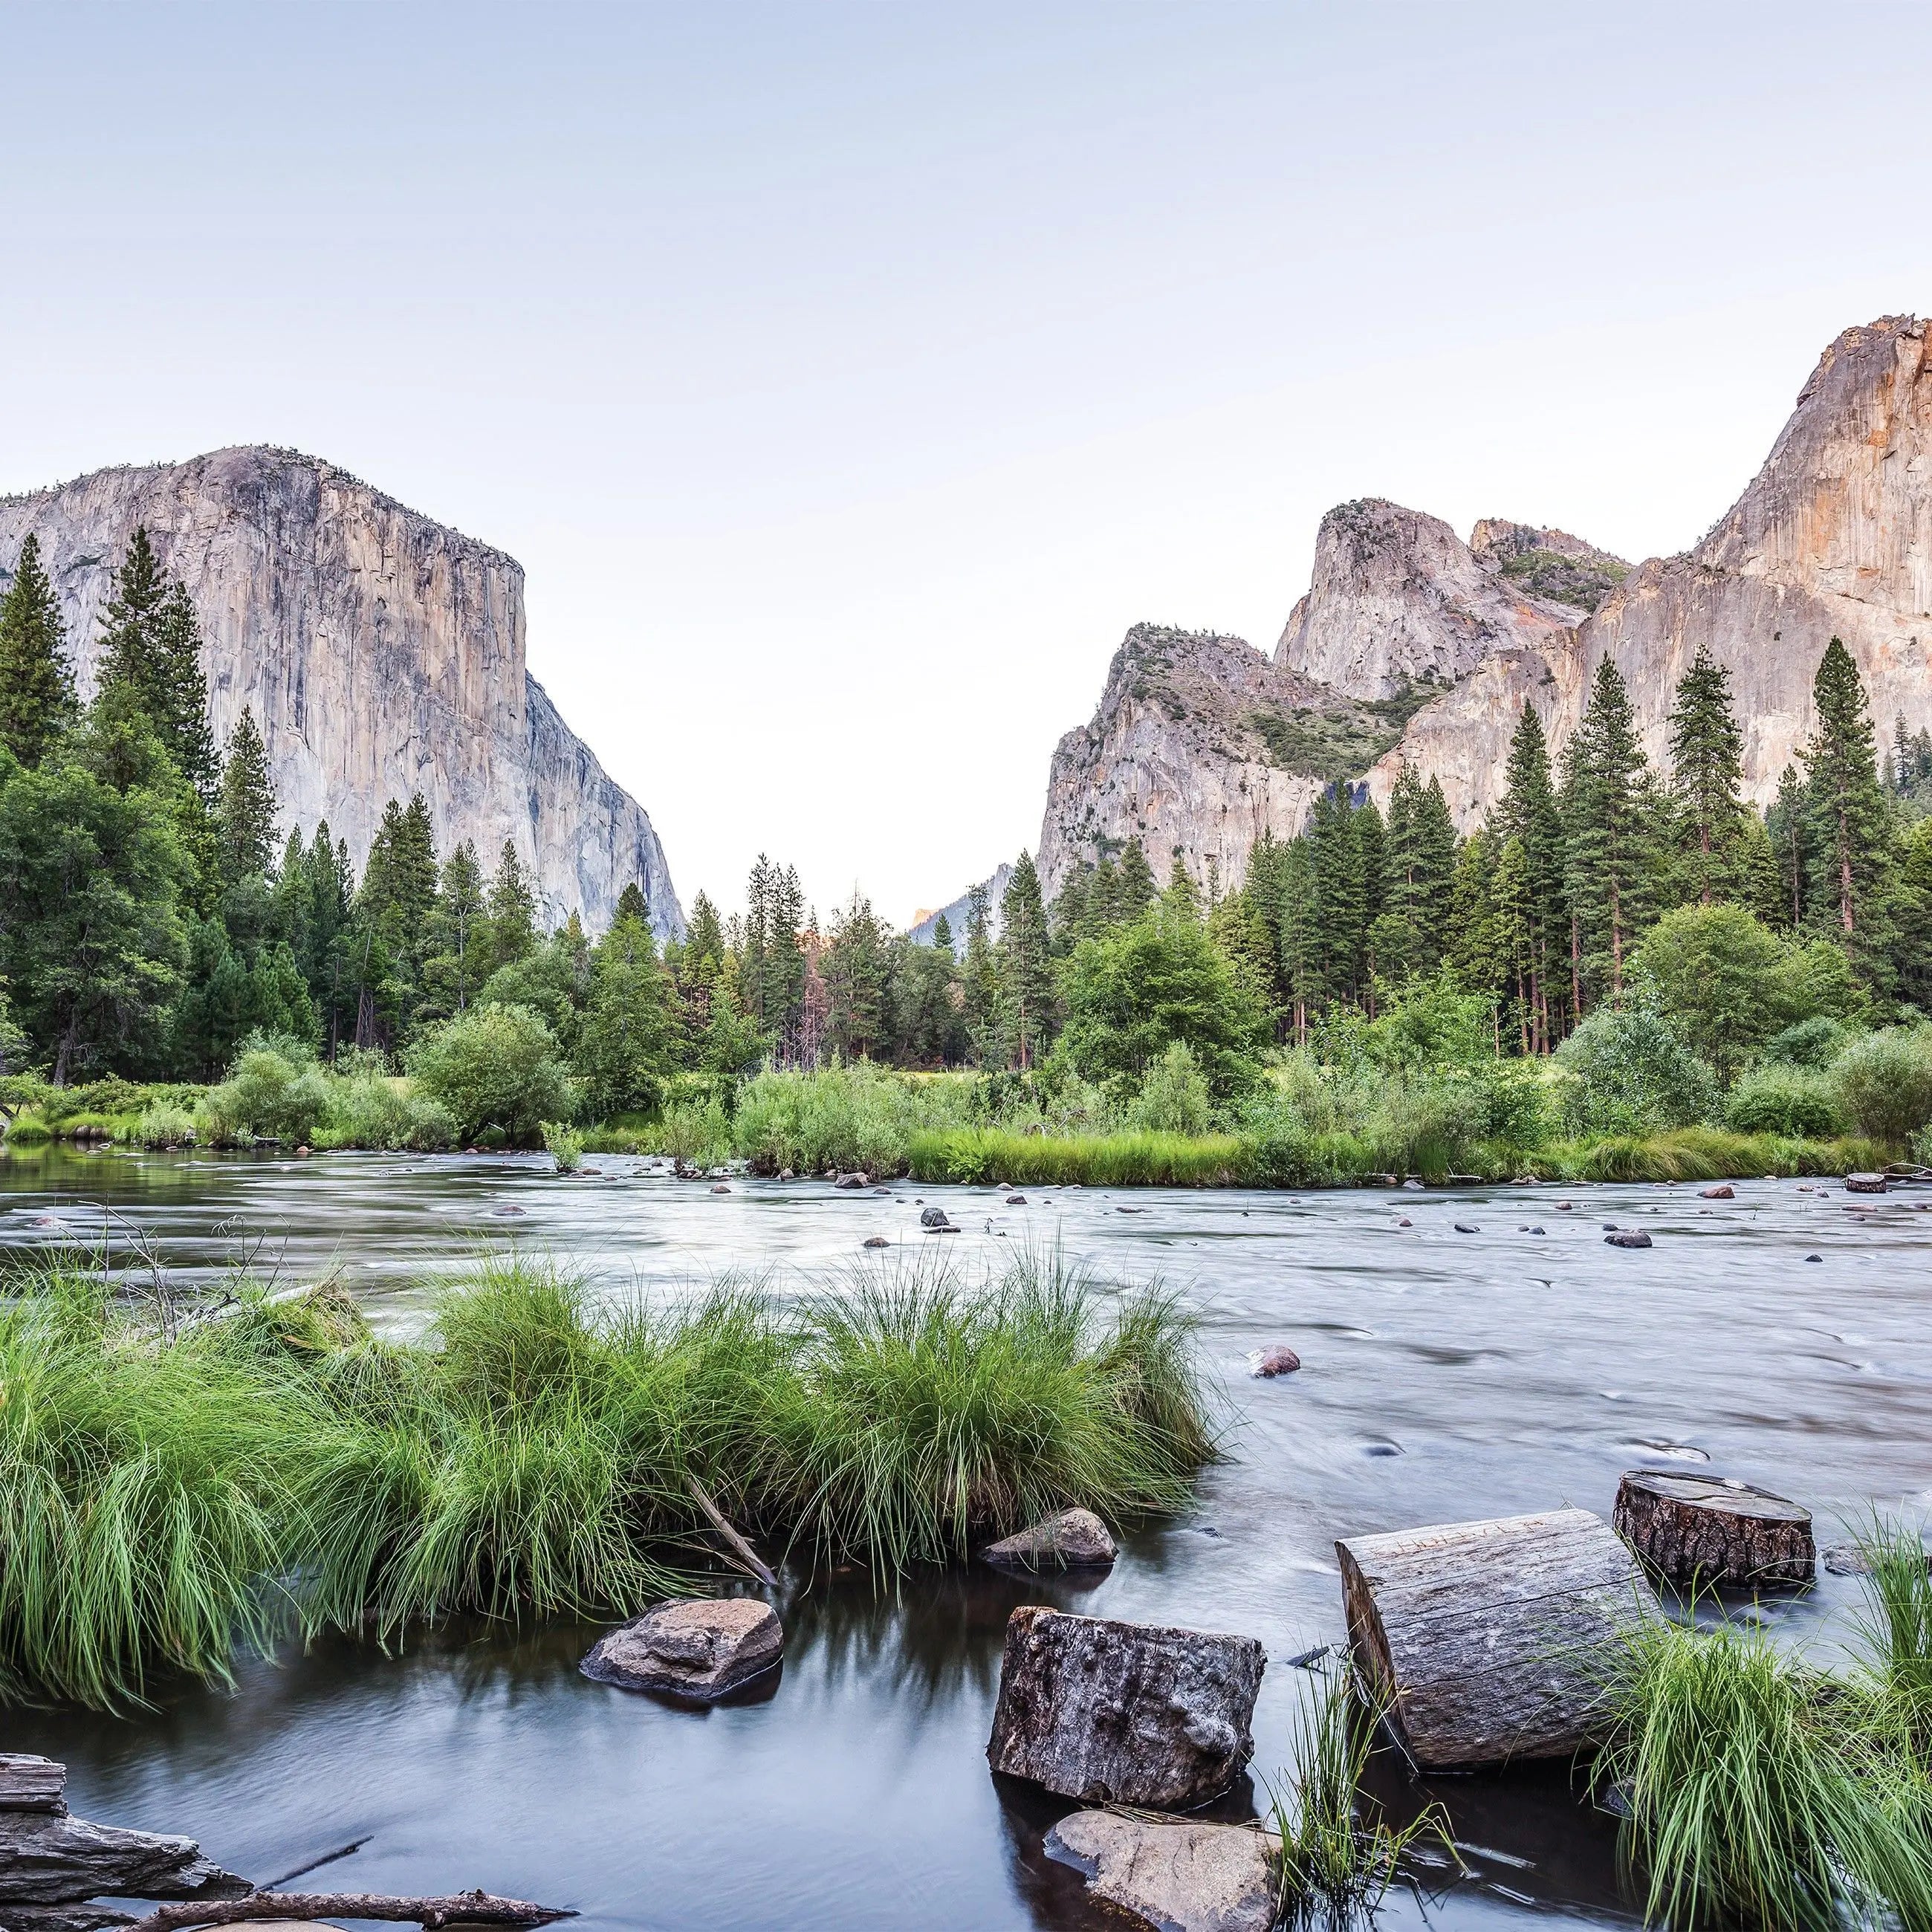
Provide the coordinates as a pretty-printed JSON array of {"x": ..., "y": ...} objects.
[
  {"x": 1487, "y": 1637},
  {"x": 1701, "y": 1531}
]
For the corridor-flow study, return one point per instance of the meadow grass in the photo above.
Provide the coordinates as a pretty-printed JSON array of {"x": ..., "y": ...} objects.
[
  {"x": 540, "y": 1454},
  {"x": 1137, "y": 1158}
]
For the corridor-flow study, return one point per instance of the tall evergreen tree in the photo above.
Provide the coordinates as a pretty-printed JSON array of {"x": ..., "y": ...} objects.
[
  {"x": 1611, "y": 830},
  {"x": 622, "y": 1046},
  {"x": 36, "y": 698},
  {"x": 855, "y": 967},
  {"x": 1785, "y": 822},
  {"x": 244, "y": 808},
  {"x": 980, "y": 979},
  {"x": 453, "y": 971},
  {"x": 1134, "y": 887},
  {"x": 631, "y": 904},
  {"x": 1530, "y": 813},
  {"x": 511, "y": 914},
  {"x": 1849, "y": 827},
  {"x": 1025, "y": 965},
  {"x": 151, "y": 657},
  {"x": 1707, "y": 769}
]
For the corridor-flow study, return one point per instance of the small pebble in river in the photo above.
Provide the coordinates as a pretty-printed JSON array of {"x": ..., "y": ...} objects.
[
  {"x": 1467, "y": 1228},
  {"x": 722, "y": 1187},
  {"x": 1405, "y": 1222},
  {"x": 1814, "y": 1258},
  {"x": 877, "y": 1241}
]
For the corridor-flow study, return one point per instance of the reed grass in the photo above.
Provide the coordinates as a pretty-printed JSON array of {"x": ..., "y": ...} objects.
[
  {"x": 167, "y": 1496},
  {"x": 1337, "y": 1852},
  {"x": 1136, "y": 1159}
]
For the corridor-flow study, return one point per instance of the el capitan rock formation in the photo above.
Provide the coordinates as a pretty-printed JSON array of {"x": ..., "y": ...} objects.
[
  {"x": 1412, "y": 645},
  {"x": 383, "y": 654}
]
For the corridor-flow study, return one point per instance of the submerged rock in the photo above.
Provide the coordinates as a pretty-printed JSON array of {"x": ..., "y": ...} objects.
[
  {"x": 1628, "y": 1237},
  {"x": 1723, "y": 1191},
  {"x": 1179, "y": 1876},
  {"x": 932, "y": 1217},
  {"x": 700, "y": 1649},
  {"x": 1076, "y": 1539},
  {"x": 1269, "y": 1362},
  {"x": 877, "y": 1241},
  {"x": 1123, "y": 1713}
]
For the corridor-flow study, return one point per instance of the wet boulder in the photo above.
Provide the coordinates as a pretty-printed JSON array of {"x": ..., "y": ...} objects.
[
  {"x": 1723, "y": 1191},
  {"x": 1269, "y": 1362},
  {"x": 700, "y": 1649},
  {"x": 852, "y": 1183},
  {"x": 1076, "y": 1539},
  {"x": 1123, "y": 1713},
  {"x": 1175, "y": 1874},
  {"x": 1626, "y": 1237}
]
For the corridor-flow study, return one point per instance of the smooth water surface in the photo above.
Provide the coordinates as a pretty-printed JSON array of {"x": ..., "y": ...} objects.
[{"x": 1447, "y": 1374}]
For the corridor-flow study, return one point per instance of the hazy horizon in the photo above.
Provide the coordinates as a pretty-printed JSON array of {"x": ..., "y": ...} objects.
[{"x": 847, "y": 381}]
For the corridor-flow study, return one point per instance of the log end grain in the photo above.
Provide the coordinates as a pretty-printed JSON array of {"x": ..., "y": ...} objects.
[{"x": 1702, "y": 1530}]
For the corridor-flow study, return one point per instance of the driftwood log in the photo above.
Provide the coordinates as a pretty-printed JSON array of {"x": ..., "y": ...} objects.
[
  {"x": 464, "y": 1908},
  {"x": 47, "y": 1858},
  {"x": 1486, "y": 1638},
  {"x": 1694, "y": 1530},
  {"x": 29, "y": 1783}
]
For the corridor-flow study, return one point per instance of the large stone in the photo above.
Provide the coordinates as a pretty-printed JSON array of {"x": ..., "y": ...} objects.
[
  {"x": 700, "y": 1649},
  {"x": 1076, "y": 1539},
  {"x": 31, "y": 1783},
  {"x": 381, "y": 654},
  {"x": 1123, "y": 1713},
  {"x": 47, "y": 1858},
  {"x": 1178, "y": 1877}
]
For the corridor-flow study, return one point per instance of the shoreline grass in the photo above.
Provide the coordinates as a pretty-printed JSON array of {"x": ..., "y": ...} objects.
[{"x": 162, "y": 1501}]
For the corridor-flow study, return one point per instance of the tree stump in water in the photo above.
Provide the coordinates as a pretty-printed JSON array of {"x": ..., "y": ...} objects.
[
  {"x": 1487, "y": 1637},
  {"x": 1692, "y": 1530}
]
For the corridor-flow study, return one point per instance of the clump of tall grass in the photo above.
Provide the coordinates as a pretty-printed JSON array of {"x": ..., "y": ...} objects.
[
  {"x": 1758, "y": 1789},
  {"x": 848, "y": 1116},
  {"x": 1336, "y": 1851},
  {"x": 1136, "y": 1159},
  {"x": 1896, "y": 1626},
  {"x": 564, "y": 1144},
  {"x": 1703, "y": 1153}
]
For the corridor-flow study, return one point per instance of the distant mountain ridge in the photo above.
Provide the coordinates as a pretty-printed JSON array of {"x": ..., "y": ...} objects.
[
  {"x": 383, "y": 654},
  {"x": 1411, "y": 646}
]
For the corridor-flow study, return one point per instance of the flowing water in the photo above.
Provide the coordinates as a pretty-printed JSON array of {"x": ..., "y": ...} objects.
[{"x": 1517, "y": 1363}]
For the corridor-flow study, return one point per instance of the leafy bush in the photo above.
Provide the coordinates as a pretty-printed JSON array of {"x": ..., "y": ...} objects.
[
  {"x": 695, "y": 1133},
  {"x": 494, "y": 1067},
  {"x": 1633, "y": 1075},
  {"x": 1174, "y": 1097},
  {"x": 850, "y": 1116},
  {"x": 1813, "y": 1043},
  {"x": 368, "y": 1108},
  {"x": 1774, "y": 1099},
  {"x": 1884, "y": 1083},
  {"x": 164, "y": 1124},
  {"x": 565, "y": 1147},
  {"x": 268, "y": 1095}
]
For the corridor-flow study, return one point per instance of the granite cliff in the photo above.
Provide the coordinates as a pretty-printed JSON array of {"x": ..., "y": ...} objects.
[
  {"x": 383, "y": 654},
  {"x": 1413, "y": 646}
]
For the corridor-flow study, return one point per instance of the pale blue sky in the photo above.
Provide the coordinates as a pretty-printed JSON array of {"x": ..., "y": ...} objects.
[{"x": 847, "y": 378}]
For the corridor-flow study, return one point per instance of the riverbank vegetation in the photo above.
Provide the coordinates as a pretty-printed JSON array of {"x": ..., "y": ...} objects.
[{"x": 174, "y": 1484}]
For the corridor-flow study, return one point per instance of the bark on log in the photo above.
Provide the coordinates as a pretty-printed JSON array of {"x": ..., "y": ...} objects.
[
  {"x": 1486, "y": 1638},
  {"x": 464, "y": 1908},
  {"x": 51, "y": 1860},
  {"x": 30, "y": 1783},
  {"x": 1695, "y": 1530}
]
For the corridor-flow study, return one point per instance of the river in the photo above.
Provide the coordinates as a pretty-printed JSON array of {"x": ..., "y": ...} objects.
[{"x": 1447, "y": 1374}]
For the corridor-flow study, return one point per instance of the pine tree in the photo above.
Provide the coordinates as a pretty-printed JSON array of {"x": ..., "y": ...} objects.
[
  {"x": 1298, "y": 916},
  {"x": 1610, "y": 823},
  {"x": 451, "y": 972},
  {"x": 512, "y": 913},
  {"x": 1849, "y": 828},
  {"x": 1134, "y": 888},
  {"x": 1025, "y": 965},
  {"x": 36, "y": 698},
  {"x": 1530, "y": 813},
  {"x": 1707, "y": 769},
  {"x": 1103, "y": 900},
  {"x": 942, "y": 933},
  {"x": 151, "y": 657},
  {"x": 622, "y": 1045},
  {"x": 855, "y": 967},
  {"x": 1785, "y": 822},
  {"x": 631, "y": 904},
  {"x": 979, "y": 980},
  {"x": 1181, "y": 898},
  {"x": 244, "y": 809}
]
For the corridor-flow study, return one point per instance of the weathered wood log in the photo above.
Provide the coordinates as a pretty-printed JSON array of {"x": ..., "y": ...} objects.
[
  {"x": 64, "y": 1918},
  {"x": 1486, "y": 1638},
  {"x": 1694, "y": 1530},
  {"x": 464, "y": 1908},
  {"x": 51, "y": 1859},
  {"x": 30, "y": 1783}
]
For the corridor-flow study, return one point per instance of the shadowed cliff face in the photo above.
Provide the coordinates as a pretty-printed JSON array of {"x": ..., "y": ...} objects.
[
  {"x": 1412, "y": 646},
  {"x": 382, "y": 653}
]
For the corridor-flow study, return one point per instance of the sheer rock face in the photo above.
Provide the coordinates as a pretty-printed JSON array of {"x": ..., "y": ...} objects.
[
  {"x": 1172, "y": 759},
  {"x": 1832, "y": 537},
  {"x": 1398, "y": 601},
  {"x": 383, "y": 654}
]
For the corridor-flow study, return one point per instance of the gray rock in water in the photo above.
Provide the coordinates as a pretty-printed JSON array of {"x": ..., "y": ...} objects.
[
  {"x": 48, "y": 1859},
  {"x": 1076, "y": 1539},
  {"x": 933, "y": 1217},
  {"x": 1122, "y": 1713},
  {"x": 1269, "y": 1362},
  {"x": 1180, "y": 1877},
  {"x": 1723, "y": 1191},
  {"x": 1016, "y": 1201},
  {"x": 877, "y": 1241},
  {"x": 700, "y": 1649},
  {"x": 852, "y": 1183},
  {"x": 1628, "y": 1237},
  {"x": 29, "y": 1783}
]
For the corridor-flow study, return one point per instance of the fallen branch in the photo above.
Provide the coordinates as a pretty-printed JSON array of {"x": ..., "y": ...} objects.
[
  {"x": 752, "y": 1560},
  {"x": 466, "y": 1908}
]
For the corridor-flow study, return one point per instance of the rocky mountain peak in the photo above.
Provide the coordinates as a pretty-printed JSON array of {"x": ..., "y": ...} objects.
[
  {"x": 1398, "y": 602},
  {"x": 1550, "y": 564}
]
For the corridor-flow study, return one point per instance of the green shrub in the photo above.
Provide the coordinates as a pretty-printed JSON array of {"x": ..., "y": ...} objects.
[
  {"x": 1174, "y": 1097},
  {"x": 368, "y": 1108},
  {"x": 852, "y": 1116},
  {"x": 1813, "y": 1043},
  {"x": 979, "y": 1155},
  {"x": 695, "y": 1134},
  {"x": 165, "y": 1124},
  {"x": 268, "y": 1095},
  {"x": 1775, "y": 1098},
  {"x": 1632, "y": 1074},
  {"x": 1884, "y": 1083},
  {"x": 494, "y": 1067},
  {"x": 564, "y": 1147}
]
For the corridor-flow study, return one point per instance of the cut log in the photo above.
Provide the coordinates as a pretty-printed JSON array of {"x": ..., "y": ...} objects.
[
  {"x": 1486, "y": 1638},
  {"x": 1865, "y": 1183},
  {"x": 46, "y": 1859},
  {"x": 1711, "y": 1530},
  {"x": 465, "y": 1908},
  {"x": 1121, "y": 1713},
  {"x": 28, "y": 1783}
]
